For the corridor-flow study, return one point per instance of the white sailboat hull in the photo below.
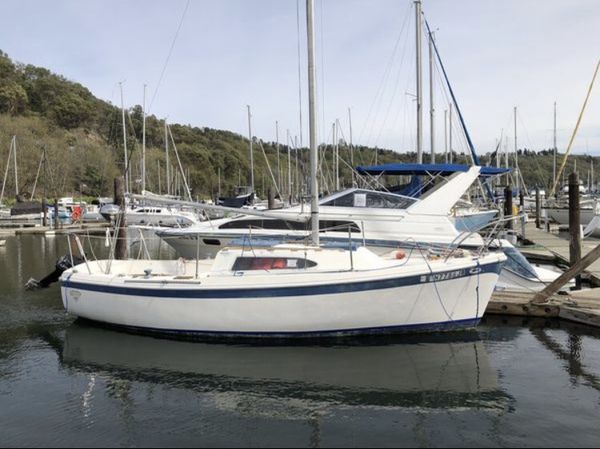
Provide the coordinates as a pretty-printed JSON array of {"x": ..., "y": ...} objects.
[{"x": 455, "y": 295}]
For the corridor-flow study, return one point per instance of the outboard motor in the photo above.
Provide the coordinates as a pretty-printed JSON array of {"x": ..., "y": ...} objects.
[{"x": 63, "y": 264}]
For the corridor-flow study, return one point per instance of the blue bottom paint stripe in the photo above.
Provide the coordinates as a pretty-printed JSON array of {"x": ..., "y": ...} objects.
[{"x": 397, "y": 329}]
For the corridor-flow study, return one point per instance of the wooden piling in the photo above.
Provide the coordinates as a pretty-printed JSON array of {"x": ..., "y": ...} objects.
[
  {"x": 574, "y": 224},
  {"x": 121, "y": 231},
  {"x": 522, "y": 212},
  {"x": 56, "y": 219},
  {"x": 45, "y": 212},
  {"x": 271, "y": 199},
  {"x": 508, "y": 206},
  {"x": 538, "y": 208}
]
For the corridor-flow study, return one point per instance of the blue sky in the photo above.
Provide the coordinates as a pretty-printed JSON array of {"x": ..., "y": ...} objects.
[{"x": 230, "y": 53}]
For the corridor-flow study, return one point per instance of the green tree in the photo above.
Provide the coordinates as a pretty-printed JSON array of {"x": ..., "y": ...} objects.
[{"x": 13, "y": 98}]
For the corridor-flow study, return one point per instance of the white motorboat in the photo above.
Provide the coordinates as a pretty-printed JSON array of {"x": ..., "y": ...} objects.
[
  {"x": 471, "y": 219},
  {"x": 4, "y": 212},
  {"x": 373, "y": 218},
  {"x": 160, "y": 216},
  {"x": 518, "y": 274}
]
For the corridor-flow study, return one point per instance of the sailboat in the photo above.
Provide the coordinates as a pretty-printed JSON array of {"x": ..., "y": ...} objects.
[{"x": 288, "y": 289}]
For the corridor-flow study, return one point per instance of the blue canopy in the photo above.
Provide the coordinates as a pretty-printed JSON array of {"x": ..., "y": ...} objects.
[{"x": 427, "y": 169}]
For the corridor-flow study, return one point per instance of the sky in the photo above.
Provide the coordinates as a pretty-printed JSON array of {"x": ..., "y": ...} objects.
[{"x": 204, "y": 61}]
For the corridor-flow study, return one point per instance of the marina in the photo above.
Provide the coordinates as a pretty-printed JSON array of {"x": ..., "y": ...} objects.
[{"x": 375, "y": 273}]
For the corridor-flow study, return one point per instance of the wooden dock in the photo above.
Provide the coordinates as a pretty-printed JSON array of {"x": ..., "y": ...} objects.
[
  {"x": 27, "y": 229},
  {"x": 551, "y": 245},
  {"x": 579, "y": 306}
]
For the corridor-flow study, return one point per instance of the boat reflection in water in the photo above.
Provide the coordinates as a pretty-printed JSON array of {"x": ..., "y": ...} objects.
[{"x": 446, "y": 372}]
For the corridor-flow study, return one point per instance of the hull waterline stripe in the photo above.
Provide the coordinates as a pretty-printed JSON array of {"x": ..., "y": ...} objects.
[{"x": 407, "y": 328}]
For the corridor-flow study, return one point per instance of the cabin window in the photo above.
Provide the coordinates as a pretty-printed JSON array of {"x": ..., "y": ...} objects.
[
  {"x": 212, "y": 242},
  {"x": 284, "y": 225},
  {"x": 271, "y": 263}
]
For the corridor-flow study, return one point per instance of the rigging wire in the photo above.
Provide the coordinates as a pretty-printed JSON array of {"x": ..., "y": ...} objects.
[
  {"x": 383, "y": 82},
  {"x": 162, "y": 74},
  {"x": 395, "y": 91},
  {"x": 299, "y": 71}
]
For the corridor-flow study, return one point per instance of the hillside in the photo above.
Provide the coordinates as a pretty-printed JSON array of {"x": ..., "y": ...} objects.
[{"x": 82, "y": 137}]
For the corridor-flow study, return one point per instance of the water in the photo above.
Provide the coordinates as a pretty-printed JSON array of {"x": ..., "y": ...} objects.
[{"x": 511, "y": 382}]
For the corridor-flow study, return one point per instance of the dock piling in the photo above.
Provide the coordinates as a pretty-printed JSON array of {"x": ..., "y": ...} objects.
[
  {"x": 56, "y": 220},
  {"x": 574, "y": 224},
  {"x": 522, "y": 212},
  {"x": 538, "y": 208},
  {"x": 508, "y": 206}
]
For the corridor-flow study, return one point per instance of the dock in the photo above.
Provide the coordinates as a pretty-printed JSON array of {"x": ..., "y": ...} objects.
[
  {"x": 37, "y": 229},
  {"x": 582, "y": 306}
]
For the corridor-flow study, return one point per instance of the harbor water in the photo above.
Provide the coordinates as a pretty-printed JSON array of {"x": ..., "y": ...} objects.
[{"x": 510, "y": 382}]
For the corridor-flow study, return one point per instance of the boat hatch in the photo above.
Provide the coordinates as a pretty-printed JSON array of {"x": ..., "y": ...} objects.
[{"x": 271, "y": 263}]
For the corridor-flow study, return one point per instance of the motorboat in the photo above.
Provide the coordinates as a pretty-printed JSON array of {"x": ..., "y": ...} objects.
[
  {"x": 160, "y": 216},
  {"x": 519, "y": 275},
  {"x": 372, "y": 218},
  {"x": 4, "y": 212}
]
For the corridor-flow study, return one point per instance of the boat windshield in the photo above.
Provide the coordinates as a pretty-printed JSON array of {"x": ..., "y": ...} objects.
[
  {"x": 516, "y": 262},
  {"x": 369, "y": 199}
]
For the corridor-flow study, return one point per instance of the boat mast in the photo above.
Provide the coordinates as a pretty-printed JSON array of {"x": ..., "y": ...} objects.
[
  {"x": 144, "y": 142},
  {"x": 14, "y": 144},
  {"x": 446, "y": 136},
  {"x": 431, "y": 101},
  {"x": 6, "y": 171},
  {"x": 418, "y": 13},
  {"x": 159, "y": 185},
  {"x": 168, "y": 163},
  {"x": 554, "y": 148},
  {"x": 516, "y": 151},
  {"x": 251, "y": 150},
  {"x": 125, "y": 140},
  {"x": 450, "y": 134},
  {"x": 278, "y": 155},
  {"x": 312, "y": 114},
  {"x": 351, "y": 145},
  {"x": 289, "y": 153},
  {"x": 336, "y": 149}
]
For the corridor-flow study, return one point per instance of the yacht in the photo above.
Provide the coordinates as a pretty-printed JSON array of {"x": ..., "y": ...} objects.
[{"x": 372, "y": 218}]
